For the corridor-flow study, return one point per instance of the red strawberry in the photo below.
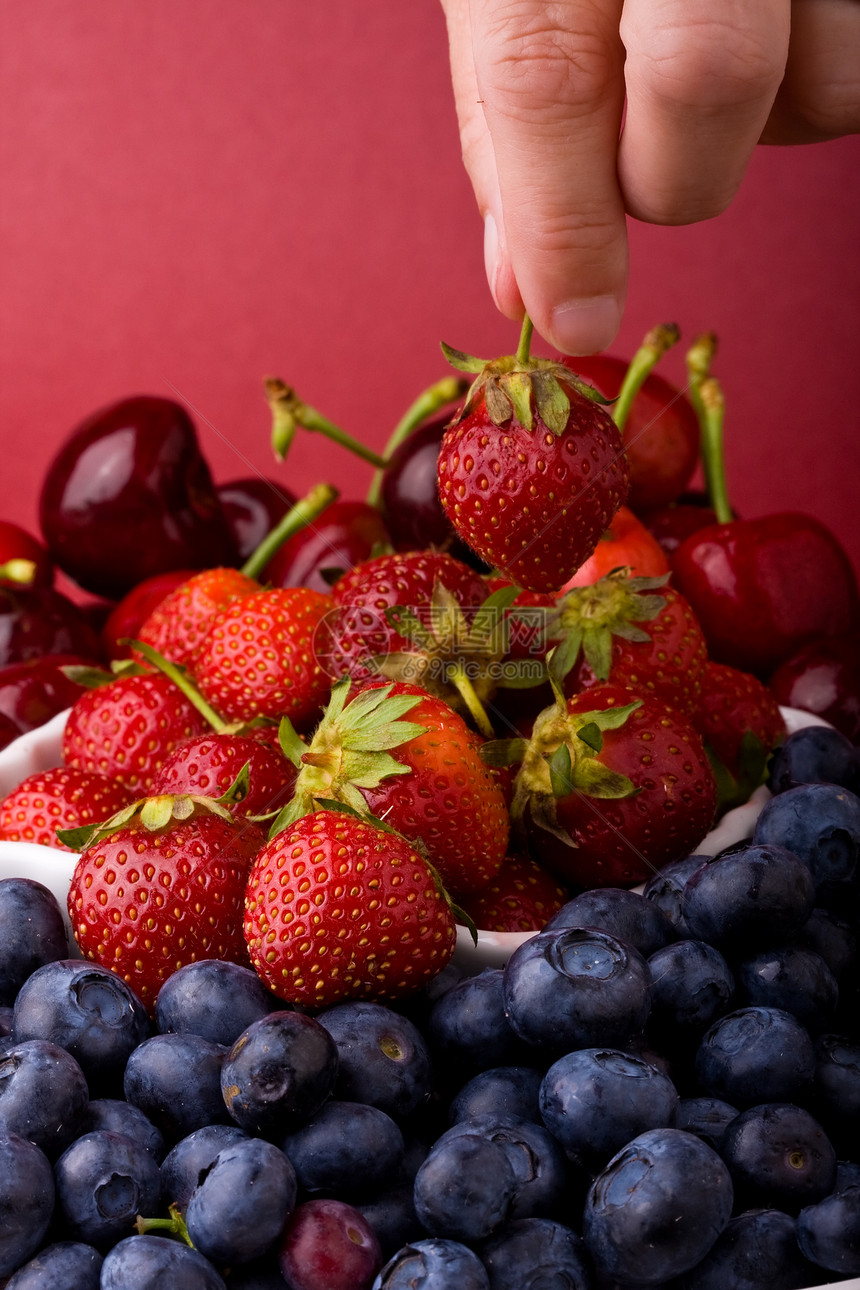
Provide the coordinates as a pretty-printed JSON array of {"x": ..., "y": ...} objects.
[
  {"x": 520, "y": 898},
  {"x": 337, "y": 908},
  {"x": 58, "y": 798},
  {"x": 533, "y": 469},
  {"x": 432, "y": 787},
  {"x": 207, "y": 765},
  {"x": 126, "y": 728},
  {"x": 178, "y": 624},
  {"x": 635, "y": 632},
  {"x": 162, "y": 885},
  {"x": 610, "y": 790},
  {"x": 259, "y": 657},
  {"x": 740, "y": 722}
]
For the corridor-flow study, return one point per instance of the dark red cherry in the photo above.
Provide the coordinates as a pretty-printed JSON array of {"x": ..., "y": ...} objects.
[
  {"x": 824, "y": 678},
  {"x": 33, "y": 692},
  {"x": 764, "y": 588},
  {"x": 661, "y": 433},
  {"x": 410, "y": 495},
  {"x": 8, "y": 731},
  {"x": 22, "y": 558},
  {"x": 38, "y": 620},
  {"x": 342, "y": 536},
  {"x": 671, "y": 525},
  {"x": 130, "y": 495},
  {"x": 253, "y": 507}
]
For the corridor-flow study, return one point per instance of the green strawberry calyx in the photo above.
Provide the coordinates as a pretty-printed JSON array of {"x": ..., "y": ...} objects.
[
  {"x": 454, "y": 658},
  {"x": 561, "y": 757},
  {"x": 522, "y": 385},
  {"x": 587, "y": 618},
  {"x": 157, "y": 813},
  {"x": 349, "y": 750}
]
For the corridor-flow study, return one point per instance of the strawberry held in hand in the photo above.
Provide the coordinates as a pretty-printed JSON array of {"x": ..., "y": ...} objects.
[
  {"x": 339, "y": 908},
  {"x": 533, "y": 469},
  {"x": 160, "y": 885}
]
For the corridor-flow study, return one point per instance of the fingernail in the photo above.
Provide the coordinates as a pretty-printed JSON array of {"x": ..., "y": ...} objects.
[
  {"x": 585, "y": 326},
  {"x": 491, "y": 253}
]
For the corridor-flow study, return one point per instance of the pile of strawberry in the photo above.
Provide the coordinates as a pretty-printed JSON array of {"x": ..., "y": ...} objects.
[{"x": 323, "y": 780}]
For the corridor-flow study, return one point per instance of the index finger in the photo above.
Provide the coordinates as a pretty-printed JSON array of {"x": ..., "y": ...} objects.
[{"x": 551, "y": 79}]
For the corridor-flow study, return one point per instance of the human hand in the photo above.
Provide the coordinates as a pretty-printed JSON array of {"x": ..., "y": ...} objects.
[{"x": 541, "y": 87}]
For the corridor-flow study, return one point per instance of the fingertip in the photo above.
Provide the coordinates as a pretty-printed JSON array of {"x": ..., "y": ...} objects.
[{"x": 579, "y": 327}]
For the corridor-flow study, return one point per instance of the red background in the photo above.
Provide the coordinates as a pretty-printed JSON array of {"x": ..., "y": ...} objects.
[{"x": 198, "y": 194}]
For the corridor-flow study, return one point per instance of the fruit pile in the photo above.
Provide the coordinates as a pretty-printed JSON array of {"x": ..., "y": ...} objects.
[
  {"x": 659, "y": 1089},
  {"x": 308, "y": 738}
]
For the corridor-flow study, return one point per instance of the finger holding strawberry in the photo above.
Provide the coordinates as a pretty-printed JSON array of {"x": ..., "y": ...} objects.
[{"x": 533, "y": 469}]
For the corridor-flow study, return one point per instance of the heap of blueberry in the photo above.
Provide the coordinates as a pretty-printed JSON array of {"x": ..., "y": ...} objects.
[{"x": 658, "y": 1090}]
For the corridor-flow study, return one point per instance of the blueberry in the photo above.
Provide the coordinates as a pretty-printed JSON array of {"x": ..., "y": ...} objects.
[
  {"x": 622, "y": 913},
  {"x": 240, "y": 1206},
  {"x": 507, "y": 1092},
  {"x": 779, "y": 1156},
  {"x": 345, "y": 1147},
  {"x": 32, "y": 933},
  {"x": 469, "y": 1030},
  {"x": 383, "y": 1059},
  {"x": 534, "y": 1254},
  {"x": 26, "y": 1200},
  {"x": 755, "y": 1055},
  {"x": 791, "y": 978},
  {"x": 433, "y": 1264},
  {"x": 847, "y": 1174},
  {"x": 42, "y": 1094},
  {"x": 707, "y": 1117},
  {"x": 837, "y": 1084},
  {"x": 815, "y": 755},
  {"x": 123, "y": 1117},
  {"x": 541, "y": 1173},
  {"x": 278, "y": 1073},
  {"x": 87, "y": 1010},
  {"x": 214, "y": 999},
  {"x": 176, "y": 1081},
  {"x": 104, "y": 1180},
  {"x": 666, "y": 889},
  {"x": 392, "y": 1216},
  {"x": 832, "y": 937},
  {"x": 828, "y": 1232},
  {"x": 576, "y": 987},
  {"x": 153, "y": 1263},
  {"x": 755, "y": 896},
  {"x": 820, "y": 824},
  {"x": 67, "y": 1264},
  {"x": 657, "y": 1208},
  {"x": 6, "y": 1015},
  {"x": 757, "y": 1250},
  {"x": 692, "y": 985},
  {"x": 465, "y": 1188},
  {"x": 258, "y": 1274},
  {"x": 184, "y": 1165},
  {"x": 595, "y": 1100}
]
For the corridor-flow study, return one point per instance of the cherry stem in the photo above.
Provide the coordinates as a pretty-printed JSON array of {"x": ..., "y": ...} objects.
[
  {"x": 658, "y": 340},
  {"x": 289, "y": 413},
  {"x": 18, "y": 570},
  {"x": 175, "y": 1225},
  {"x": 524, "y": 346},
  {"x": 448, "y": 390},
  {"x": 712, "y": 419},
  {"x": 458, "y": 678},
  {"x": 298, "y": 517}
]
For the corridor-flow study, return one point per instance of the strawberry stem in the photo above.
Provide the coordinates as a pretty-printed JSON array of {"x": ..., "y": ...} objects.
[
  {"x": 464, "y": 687},
  {"x": 712, "y": 419},
  {"x": 289, "y": 413},
  {"x": 448, "y": 390},
  {"x": 298, "y": 517},
  {"x": 524, "y": 346},
  {"x": 657, "y": 341}
]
